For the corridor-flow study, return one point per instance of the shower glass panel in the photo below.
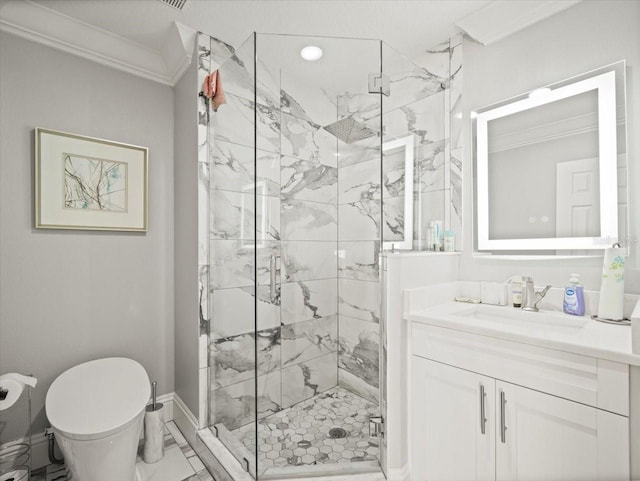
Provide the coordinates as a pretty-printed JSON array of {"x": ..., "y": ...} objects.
[
  {"x": 415, "y": 171},
  {"x": 237, "y": 256},
  {"x": 317, "y": 167},
  {"x": 295, "y": 243}
]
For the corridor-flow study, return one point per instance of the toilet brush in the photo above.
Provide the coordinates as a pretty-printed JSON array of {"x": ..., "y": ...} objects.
[{"x": 153, "y": 430}]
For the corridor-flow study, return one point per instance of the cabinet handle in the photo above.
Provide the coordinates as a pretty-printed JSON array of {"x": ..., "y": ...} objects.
[
  {"x": 503, "y": 425},
  {"x": 483, "y": 419}
]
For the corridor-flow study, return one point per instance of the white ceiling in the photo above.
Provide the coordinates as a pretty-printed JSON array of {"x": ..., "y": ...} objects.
[
  {"x": 153, "y": 40},
  {"x": 409, "y": 26}
]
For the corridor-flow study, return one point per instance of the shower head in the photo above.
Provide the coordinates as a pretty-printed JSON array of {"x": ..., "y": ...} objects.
[{"x": 350, "y": 130}]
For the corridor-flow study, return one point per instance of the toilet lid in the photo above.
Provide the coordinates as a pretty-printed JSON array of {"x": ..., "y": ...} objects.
[{"x": 98, "y": 396}]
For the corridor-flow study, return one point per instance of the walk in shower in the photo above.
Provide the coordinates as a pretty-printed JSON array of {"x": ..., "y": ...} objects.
[{"x": 315, "y": 167}]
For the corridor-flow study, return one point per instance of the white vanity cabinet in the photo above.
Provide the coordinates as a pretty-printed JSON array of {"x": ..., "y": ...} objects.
[
  {"x": 447, "y": 429},
  {"x": 485, "y": 408}
]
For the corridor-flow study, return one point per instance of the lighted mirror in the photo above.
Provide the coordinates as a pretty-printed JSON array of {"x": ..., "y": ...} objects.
[{"x": 547, "y": 167}]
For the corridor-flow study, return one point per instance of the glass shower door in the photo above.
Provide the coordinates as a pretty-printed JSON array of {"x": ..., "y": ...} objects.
[
  {"x": 237, "y": 264},
  {"x": 296, "y": 234}
]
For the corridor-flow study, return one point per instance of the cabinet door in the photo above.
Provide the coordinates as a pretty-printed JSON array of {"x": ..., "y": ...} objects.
[
  {"x": 449, "y": 440},
  {"x": 545, "y": 438}
]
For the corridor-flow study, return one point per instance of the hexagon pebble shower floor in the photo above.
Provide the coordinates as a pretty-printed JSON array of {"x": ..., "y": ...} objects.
[{"x": 306, "y": 434}]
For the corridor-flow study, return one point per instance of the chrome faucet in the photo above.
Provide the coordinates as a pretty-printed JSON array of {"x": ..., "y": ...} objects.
[{"x": 529, "y": 294}]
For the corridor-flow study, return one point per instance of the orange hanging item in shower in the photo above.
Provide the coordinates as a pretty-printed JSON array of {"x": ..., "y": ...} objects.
[{"x": 212, "y": 89}]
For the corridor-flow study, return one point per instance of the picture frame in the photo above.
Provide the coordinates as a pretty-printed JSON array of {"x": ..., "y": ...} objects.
[{"x": 87, "y": 183}]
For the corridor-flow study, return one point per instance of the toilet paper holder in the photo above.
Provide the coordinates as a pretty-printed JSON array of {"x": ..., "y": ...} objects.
[{"x": 16, "y": 459}]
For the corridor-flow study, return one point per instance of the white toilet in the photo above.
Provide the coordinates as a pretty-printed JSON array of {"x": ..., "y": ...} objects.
[{"x": 96, "y": 411}]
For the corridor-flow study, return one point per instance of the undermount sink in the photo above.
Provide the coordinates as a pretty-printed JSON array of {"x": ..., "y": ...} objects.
[{"x": 511, "y": 316}]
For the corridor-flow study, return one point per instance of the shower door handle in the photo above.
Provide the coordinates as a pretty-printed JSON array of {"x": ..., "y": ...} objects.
[{"x": 273, "y": 277}]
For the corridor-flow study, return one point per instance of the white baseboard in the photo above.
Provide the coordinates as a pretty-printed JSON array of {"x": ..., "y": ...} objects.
[
  {"x": 399, "y": 474},
  {"x": 185, "y": 420}
]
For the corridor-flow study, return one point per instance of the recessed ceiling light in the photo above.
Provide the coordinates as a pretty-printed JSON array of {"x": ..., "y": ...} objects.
[
  {"x": 538, "y": 93},
  {"x": 311, "y": 53}
]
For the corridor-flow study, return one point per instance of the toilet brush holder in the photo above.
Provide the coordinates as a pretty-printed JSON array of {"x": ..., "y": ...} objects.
[{"x": 153, "y": 450}]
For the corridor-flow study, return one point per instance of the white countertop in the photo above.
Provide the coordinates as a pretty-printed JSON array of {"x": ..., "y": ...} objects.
[{"x": 551, "y": 329}]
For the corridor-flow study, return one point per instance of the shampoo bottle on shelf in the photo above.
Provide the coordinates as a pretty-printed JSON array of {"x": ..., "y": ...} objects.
[{"x": 574, "y": 297}]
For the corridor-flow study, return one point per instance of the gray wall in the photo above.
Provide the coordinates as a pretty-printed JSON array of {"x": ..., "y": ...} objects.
[
  {"x": 71, "y": 296},
  {"x": 584, "y": 37},
  {"x": 186, "y": 239}
]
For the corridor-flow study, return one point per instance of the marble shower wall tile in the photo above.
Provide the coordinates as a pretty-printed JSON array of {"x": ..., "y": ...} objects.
[
  {"x": 234, "y": 405},
  {"x": 220, "y": 51},
  {"x": 456, "y": 196},
  {"x": 359, "y": 260},
  {"x": 361, "y": 151},
  {"x": 409, "y": 84},
  {"x": 203, "y": 209},
  {"x": 237, "y": 75},
  {"x": 232, "y": 216},
  {"x": 306, "y": 260},
  {"x": 234, "y": 123},
  {"x": 204, "y": 53},
  {"x": 233, "y": 168},
  {"x": 455, "y": 95},
  {"x": 305, "y": 139},
  {"x": 393, "y": 174},
  {"x": 424, "y": 118},
  {"x": 362, "y": 107},
  {"x": 232, "y": 263},
  {"x": 359, "y": 221},
  {"x": 435, "y": 62},
  {"x": 304, "y": 220},
  {"x": 233, "y": 311},
  {"x": 360, "y": 181},
  {"x": 359, "y": 349},
  {"x": 308, "y": 180},
  {"x": 304, "y": 300},
  {"x": 306, "y": 340},
  {"x": 234, "y": 359},
  {"x": 204, "y": 66},
  {"x": 430, "y": 167},
  {"x": 354, "y": 384},
  {"x": 306, "y": 101},
  {"x": 306, "y": 379},
  {"x": 393, "y": 217},
  {"x": 359, "y": 299}
]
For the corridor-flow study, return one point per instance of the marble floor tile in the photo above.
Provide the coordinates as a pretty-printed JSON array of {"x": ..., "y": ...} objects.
[
  {"x": 180, "y": 463},
  {"x": 330, "y": 428}
]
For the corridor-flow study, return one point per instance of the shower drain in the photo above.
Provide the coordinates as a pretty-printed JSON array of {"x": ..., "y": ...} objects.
[{"x": 336, "y": 433}]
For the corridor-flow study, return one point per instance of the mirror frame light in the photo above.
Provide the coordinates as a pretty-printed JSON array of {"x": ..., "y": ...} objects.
[
  {"x": 605, "y": 86},
  {"x": 406, "y": 144}
]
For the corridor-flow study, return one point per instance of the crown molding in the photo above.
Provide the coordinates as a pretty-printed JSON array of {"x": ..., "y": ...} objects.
[
  {"x": 499, "y": 19},
  {"x": 177, "y": 50},
  {"x": 48, "y": 27}
]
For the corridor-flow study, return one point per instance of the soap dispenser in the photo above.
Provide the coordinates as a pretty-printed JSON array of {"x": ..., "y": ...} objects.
[{"x": 574, "y": 297}]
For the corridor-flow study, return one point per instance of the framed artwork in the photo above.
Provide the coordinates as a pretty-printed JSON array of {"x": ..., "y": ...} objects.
[{"x": 88, "y": 183}]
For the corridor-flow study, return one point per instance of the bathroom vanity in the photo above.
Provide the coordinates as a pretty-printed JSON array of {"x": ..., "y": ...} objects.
[{"x": 503, "y": 394}]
